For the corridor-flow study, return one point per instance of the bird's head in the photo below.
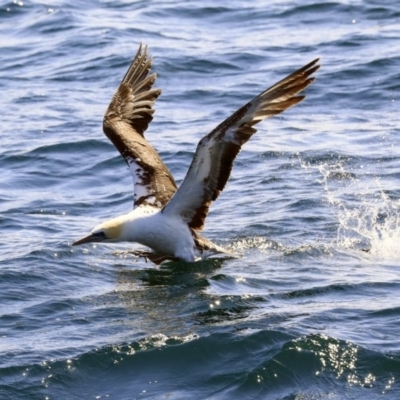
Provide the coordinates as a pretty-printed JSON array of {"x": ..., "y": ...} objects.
[{"x": 109, "y": 231}]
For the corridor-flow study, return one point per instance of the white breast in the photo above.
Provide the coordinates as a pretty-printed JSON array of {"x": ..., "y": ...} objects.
[{"x": 167, "y": 235}]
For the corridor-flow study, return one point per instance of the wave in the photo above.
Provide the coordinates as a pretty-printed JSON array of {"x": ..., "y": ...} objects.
[{"x": 247, "y": 365}]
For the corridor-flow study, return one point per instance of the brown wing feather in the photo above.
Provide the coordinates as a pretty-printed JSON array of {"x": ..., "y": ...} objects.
[
  {"x": 125, "y": 121},
  {"x": 216, "y": 152}
]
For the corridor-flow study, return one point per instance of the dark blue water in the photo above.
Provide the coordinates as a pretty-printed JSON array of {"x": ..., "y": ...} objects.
[{"x": 311, "y": 310}]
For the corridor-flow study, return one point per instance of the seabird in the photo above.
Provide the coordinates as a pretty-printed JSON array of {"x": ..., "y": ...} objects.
[{"x": 165, "y": 218}]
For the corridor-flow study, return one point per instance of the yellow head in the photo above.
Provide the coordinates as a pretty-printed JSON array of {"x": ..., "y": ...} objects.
[{"x": 109, "y": 231}]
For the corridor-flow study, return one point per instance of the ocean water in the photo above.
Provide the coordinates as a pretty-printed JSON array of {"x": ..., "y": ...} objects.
[{"x": 312, "y": 308}]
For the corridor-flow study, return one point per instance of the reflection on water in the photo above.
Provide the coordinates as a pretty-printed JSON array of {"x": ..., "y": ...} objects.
[{"x": 170, "y": 298}]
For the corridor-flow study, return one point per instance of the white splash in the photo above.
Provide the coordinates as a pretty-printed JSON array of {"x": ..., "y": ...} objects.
[
  {"x": 374, "y": 224},
  {"x": 368, "y": 219}
]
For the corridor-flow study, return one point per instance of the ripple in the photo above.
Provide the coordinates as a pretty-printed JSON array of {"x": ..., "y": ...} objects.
[{"x": 310, "y": 309}]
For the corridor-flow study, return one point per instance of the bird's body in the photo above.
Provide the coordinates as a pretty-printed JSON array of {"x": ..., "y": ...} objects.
[
  {"x": 167, "y": 219},
  {"x": 150, "y": 227},
  {"x": 166, "y": 235}
]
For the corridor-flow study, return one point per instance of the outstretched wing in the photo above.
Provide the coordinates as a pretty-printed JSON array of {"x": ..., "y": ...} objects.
[
  {"x": 125, "y": 121},
  {"x": 215, "y": 153}
]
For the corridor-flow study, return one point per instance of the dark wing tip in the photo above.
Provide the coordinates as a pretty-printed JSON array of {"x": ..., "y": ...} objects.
[
  {"x": 310, "y": 64},
  {"x": 132, "y": 103},
  {"x": 308, "y": 82}
]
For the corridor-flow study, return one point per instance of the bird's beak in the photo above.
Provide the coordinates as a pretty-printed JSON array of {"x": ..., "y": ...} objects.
[{"x": 87, "y": 239}]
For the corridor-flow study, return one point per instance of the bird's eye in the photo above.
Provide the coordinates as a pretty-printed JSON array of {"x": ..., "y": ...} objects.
[{"x": 100, "y": 235}]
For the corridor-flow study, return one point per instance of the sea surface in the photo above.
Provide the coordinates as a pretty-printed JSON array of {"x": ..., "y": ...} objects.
[{"x": 311, "y": 310}]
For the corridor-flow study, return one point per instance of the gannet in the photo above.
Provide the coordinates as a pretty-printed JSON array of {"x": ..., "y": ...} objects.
[{"x": 165, "y": 218}]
